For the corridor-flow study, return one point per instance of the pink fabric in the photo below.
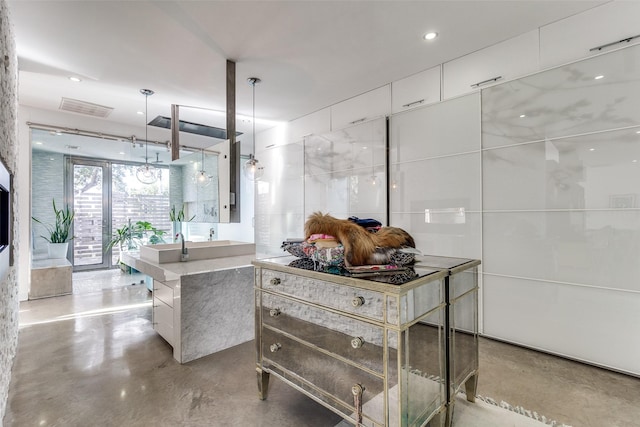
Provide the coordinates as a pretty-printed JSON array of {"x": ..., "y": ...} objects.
[{"x": 320, "y": 237}]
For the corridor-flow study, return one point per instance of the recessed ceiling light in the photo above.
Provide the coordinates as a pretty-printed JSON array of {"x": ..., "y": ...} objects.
[
  {"x": 38, "y": 143},
  {"x": 140, "y": 112},
  {"x": 430, "y": 36},
  {"x": 592, "y": 149},
  {"x": 122, "y": 152},
  {"x": 523, "y": 116},
  {"x": 75, "y": 79},
  {"x": 598, "y": 77}
]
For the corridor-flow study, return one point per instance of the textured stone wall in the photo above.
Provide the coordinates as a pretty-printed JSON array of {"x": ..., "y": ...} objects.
[{"x": 8, "y": 154}]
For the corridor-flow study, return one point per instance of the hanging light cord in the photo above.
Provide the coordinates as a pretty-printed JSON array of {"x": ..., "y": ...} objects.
[
  {"x": 146, "y": 128},
  {"x": 254, "y": 118}
]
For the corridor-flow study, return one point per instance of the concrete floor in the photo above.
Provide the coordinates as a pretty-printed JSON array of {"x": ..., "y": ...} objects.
[{"x": 92, "y": 359}]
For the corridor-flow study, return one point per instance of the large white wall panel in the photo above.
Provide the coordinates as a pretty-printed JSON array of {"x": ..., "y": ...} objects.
[
  {"x": 565, "y": 101},
  {"x": 448, "y": 233},
  {"x": 596, "y": 248},
  {"x": 590, "y": 324},
  {"x": 358, "y": 192},
  {"x": 595, "y": 171},
  {"x": 345, "y": 173},
  {"x": 561, "y": 220},
  {"x": 445, "y": 183},
  {"x": 450, "y": 127},
  {"x": 435, "y": 176},
  {"x": 279, "y": 198}
]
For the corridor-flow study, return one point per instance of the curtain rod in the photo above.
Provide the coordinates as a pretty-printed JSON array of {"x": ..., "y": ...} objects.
[{"x": 111, "y": 136}]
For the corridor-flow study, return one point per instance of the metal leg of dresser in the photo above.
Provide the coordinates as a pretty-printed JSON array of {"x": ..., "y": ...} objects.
[
  {"x": 449, "y": 414},
  {"x": 439, "y": 419},
  {"x": 263, "y": 383},
  {"x": 470, "y": 387}
]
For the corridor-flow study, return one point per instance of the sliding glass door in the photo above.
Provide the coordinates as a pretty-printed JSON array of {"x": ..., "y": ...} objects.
[
  {"x": 89, "y": 189},
  {"x": 106, "y": 196}
]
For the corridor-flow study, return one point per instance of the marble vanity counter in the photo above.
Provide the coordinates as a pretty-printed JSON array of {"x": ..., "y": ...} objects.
[
  {"x": 201, "y": 307},
  {"x": 173, "y": 271}
]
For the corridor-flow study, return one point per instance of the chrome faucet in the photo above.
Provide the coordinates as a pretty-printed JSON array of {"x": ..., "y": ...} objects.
[
  {"x": 211, "y": 233},
  {"x": 184, "y": 254}
]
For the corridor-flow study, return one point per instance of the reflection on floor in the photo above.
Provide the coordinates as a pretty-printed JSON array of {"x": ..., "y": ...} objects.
[
  {"x": 92, "y": 359},
  {"x": 99, "y": 280}
]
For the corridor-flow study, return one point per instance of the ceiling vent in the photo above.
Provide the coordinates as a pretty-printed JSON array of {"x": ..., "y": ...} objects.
[{"x": 87, "y": 108}]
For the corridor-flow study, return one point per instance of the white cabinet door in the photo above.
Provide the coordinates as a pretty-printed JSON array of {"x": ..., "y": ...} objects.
[
  {"x": 414, "y": 91},
  {"x": 314, "y": 123},
  {"x": 268, "y": 138},
  {"x": 163, "y": 320},
  {"x": 369, "y": 105},
  {"x": 573, "y": 38},
  {"x": 501, "y": 62}
]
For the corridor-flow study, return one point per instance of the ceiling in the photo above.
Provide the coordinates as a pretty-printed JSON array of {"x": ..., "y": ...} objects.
[{"x": 309, "y": 54}]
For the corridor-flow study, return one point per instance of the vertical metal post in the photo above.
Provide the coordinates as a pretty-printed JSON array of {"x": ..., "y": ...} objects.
[
  {"x": 447, "y": 350},
  {"x": 234, "y": 147},
  {"x": 175, "y": 132}
]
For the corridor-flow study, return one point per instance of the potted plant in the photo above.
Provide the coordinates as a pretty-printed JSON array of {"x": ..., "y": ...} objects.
[
  {"x": 154, "y": 235},
  {"x": 177, "y": 217},
  {"x": 59, "y": 232},
  {"x": 130, "y": 236}
]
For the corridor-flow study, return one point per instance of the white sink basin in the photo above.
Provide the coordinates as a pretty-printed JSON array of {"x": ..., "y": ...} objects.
[{"x": 171, "y": 252}]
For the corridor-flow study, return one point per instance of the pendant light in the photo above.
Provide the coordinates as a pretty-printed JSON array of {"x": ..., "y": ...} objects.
[
  {"x": 146, "y": 173},
  {"x": 201, "y": 178},
  {"x": 252, "y": 169}
]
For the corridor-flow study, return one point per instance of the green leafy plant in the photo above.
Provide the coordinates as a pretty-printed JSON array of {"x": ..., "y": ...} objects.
[
  {"x": 123, "y": 236},
  {"x": 179, "y": 215},
  {"x": 59, "y": 232},
  {"x": 131, "y": 235},
  {"x": 144, "y": 228}
]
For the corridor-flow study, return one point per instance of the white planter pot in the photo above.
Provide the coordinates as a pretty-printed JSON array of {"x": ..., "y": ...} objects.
[{"x": 58, "y": 250}]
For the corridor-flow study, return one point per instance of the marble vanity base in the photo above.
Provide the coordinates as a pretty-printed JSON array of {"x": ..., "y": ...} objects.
[
  {"x": 216, "y": 311},
  {"x": 201, "y": 307}
]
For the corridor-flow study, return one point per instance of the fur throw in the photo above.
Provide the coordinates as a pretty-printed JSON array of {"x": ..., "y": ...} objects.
[{"x": 360, "y": 246}]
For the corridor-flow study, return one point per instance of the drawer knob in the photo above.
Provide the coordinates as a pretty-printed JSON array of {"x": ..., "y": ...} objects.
[
  {"x": 357, "y": 342},
  {"x": 357, "y": 390},
  {"x": 275, "y": 281},
  {"x": 357, "y": 301},
  {"x": 275, "y": 347},
  {"x": 275, "y": 312}
]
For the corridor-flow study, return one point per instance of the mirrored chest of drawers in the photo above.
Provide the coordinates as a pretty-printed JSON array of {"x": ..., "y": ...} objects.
[{"x": 377, "y": 354}]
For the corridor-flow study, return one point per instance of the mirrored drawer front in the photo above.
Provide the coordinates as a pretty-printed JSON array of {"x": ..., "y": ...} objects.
[
  {"x": 163, "y": 319},
  {"x": 352, "y": 339},
  {"x": 164, "y": 292},
  {"x": 334, "y": 378},
  {"x": 345, "y": 298}
]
